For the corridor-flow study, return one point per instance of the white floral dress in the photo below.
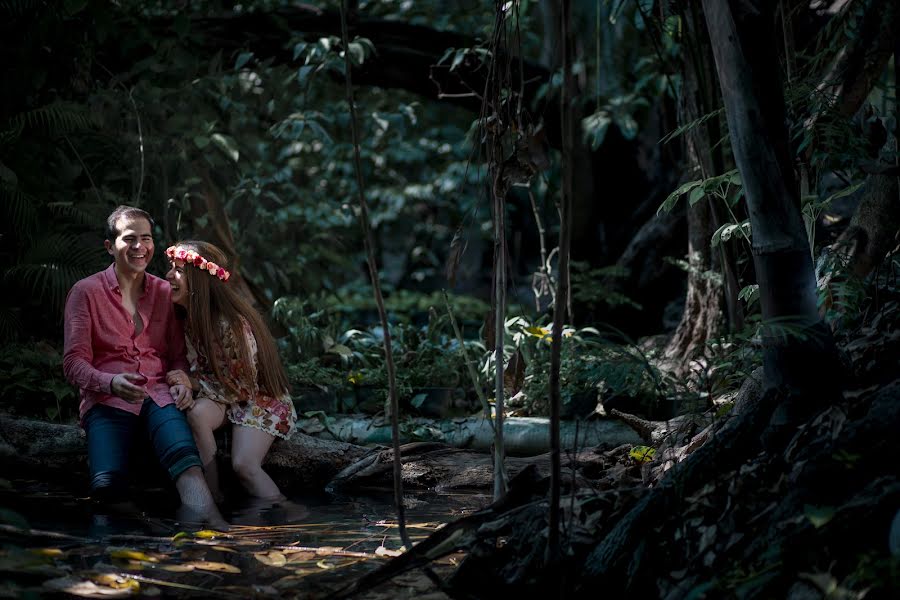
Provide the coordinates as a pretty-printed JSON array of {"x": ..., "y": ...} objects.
[{"x": 249, "y": 406}]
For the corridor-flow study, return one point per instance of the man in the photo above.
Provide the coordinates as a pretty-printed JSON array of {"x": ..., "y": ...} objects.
[{"x": 121, "y": 338}]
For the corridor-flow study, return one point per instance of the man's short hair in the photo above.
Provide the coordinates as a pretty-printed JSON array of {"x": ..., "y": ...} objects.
[{"x": 124, "y": 211}]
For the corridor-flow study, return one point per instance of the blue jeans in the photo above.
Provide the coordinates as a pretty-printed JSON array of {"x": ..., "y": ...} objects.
[{"x": 111, "y": 432}]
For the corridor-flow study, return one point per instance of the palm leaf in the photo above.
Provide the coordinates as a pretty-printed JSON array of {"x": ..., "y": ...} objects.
[
  {"x": 53, "y": 120},
  {"x": 52, "y": 266},
  {"x": 10, "y": 323},
  {"x": 19, "y": 210}
]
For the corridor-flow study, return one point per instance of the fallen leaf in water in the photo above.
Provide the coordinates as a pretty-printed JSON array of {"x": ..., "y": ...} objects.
[
  {"x": 382, "y": 551},
  {"x": 273, "y": 559},
  {"x": 324, "y": 565},
  {"x": 129, "y": 554},
  {"x": 224, "y": 549},
  {"x": 116, "y": 581},
  {"x": 208, "y": 534},
  {"x": 216, "y": 567},
  {"x": 87, "y": 589},
  {"x": 48, "y": 552},
  {"x": 297, "y": 557},
  {"x": 177, "y": 568}
]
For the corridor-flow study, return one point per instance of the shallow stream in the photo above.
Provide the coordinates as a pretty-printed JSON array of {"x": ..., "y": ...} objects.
[{"x": 57, "y": 542}]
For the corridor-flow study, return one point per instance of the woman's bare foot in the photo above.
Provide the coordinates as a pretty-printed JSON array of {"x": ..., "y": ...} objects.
[{"x": 202, "y": 517}]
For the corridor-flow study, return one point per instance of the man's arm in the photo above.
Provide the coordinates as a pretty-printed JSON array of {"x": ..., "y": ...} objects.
[{"x": 78, "y": 350}]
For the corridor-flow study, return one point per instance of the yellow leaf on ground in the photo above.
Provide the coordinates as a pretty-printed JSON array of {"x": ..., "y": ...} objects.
[
  {"x": 177, "y": 568},
  {"x": 642, "y": 453},
  {"x": 116, "y": 582},
  {"x": 208, "y": 534},
  {"x": 216, "y": 567},
  {"x": 129, "y": 554},
  {"x": 297, "y": 557},
  {"x": 48, "y": 552},
  {"x": 273, "y": 559}
]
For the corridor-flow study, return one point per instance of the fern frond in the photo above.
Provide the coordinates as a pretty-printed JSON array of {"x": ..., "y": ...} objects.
[
  {"x": 52, "y": 266},
  {"x": 19, "y": 210},
  {"x": 56, "y": 119},
  {"x": 87, "y": 216},
  {"x": 20, "y": 8},
  {"x": 11, "y": 135},
  {"x": 10, "y": 323},
  {"x": 689, "y": 126}
]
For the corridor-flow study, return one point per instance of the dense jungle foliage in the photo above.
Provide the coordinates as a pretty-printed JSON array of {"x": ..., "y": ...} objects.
[
  {"x": 725, "y": 175},
  {"x": 245, "y": 142}
]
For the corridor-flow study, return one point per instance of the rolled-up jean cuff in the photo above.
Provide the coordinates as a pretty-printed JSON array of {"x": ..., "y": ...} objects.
[{"x": 183, "y": 464}]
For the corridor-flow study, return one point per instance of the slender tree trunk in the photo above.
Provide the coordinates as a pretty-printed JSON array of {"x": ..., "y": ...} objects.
[
  {"x": 701, "y": 318},
  {"x": 795, "y": 343},
  {"x": 562, "y": 283},
  {"x": 393, "y": 402}
]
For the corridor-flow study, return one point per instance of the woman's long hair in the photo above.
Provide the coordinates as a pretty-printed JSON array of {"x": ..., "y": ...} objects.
[{"x": 211, "y": 300}]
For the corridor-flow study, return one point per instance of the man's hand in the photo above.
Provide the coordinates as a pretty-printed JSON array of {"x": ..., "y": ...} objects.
[
  {"x": 184, "y": 398},
  {"x": 129, "y": 387},
  {"x": 178, "y": 377}
]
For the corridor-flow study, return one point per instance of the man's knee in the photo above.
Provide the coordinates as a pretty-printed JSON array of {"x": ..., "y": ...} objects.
[
  {"x": 109, "y": 486},
  {"x": 173, "y": 440}
]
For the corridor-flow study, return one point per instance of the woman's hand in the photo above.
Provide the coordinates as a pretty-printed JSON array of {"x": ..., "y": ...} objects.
[
  {"x": 184, "y": 398},
  {"x": 178, "y": 377}
]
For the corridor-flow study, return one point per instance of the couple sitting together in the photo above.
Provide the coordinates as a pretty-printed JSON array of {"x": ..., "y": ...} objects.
[{"x": 172, "y": 361}]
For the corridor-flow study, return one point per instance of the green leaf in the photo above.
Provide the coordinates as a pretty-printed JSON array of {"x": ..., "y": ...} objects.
[
  {"x": 594, "y": 128},
  {"x": 418, "y": 400},
  {"x": 299, "y": 48},
  {"x": 340, "y": 350},
  {"x": 8, "y": 175},
  {"x": 242, "y": 59},
  {"x": 697, "y": 194},
  {"x": 726, "y": 231},
  {"x": 669, "y": 203},
  {"x": 201, "y": 141},
  {"x": 458, "y": 58},
  {"x": 749, "y": 294},
  {"x": 303, "y": 72},
  {"x": 642, "y": 453},
  {"x": 227, "y": 145},
  {"x": 628, "y": 126},
  {"x": 357, "y": 54},
  {"x": 819, "y": 516}
]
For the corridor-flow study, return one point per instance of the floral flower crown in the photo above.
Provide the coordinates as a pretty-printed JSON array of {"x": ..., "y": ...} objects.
[{"x": 193, "y": 258}]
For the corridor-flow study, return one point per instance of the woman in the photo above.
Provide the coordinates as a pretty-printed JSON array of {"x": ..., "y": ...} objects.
[{"x": 236, "y": 373}]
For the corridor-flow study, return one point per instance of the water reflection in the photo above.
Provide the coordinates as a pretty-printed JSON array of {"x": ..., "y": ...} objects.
[{"x": 316, "y": 540}]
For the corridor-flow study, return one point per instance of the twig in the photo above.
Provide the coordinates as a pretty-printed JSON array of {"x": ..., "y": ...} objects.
[
  {"x": 137, "y": 116},
  {"x": 84, "y": 166},
  {"x": 376, "y": 286},
  {"x": 473, "y": 374},
  {"x": 41, "y": 533},
  {"x": 562, "y": 286}
]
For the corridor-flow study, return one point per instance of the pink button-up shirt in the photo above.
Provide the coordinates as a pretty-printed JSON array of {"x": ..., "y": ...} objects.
[{"x": 100, "y": 341}]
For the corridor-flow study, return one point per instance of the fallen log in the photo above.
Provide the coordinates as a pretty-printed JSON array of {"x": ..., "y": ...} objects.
[
  {"x": 29, "y": 446},
  {"x": 305, "y": 463},
  {"x": 523, "y": 436}
]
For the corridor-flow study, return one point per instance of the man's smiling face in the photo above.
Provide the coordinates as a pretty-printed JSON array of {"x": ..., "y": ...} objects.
[{"x": 133, "y": 246}]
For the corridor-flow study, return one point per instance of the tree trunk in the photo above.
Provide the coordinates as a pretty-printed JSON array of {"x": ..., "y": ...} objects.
[
  {"x": 796, "y": 346},
  {"x": 703, "y": 304}
]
